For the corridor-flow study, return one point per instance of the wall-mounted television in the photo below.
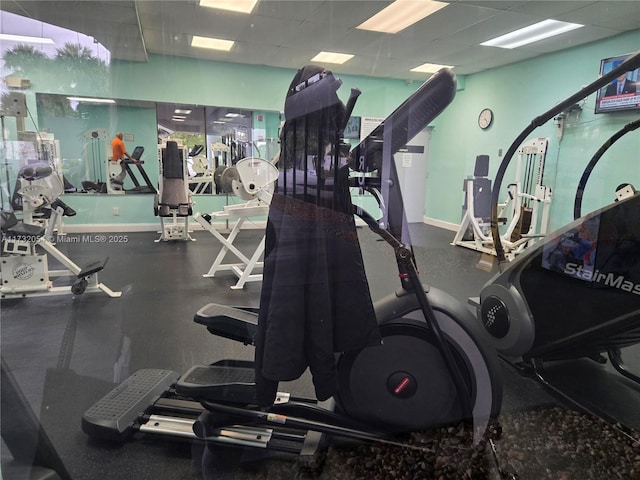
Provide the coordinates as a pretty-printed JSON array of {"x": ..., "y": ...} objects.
[{"x": 623, "y": 93}]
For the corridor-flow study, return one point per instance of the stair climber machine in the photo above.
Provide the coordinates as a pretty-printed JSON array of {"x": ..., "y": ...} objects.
[
  {"x": 577, "y": 292},
  {"x": 413, "y": 360}
]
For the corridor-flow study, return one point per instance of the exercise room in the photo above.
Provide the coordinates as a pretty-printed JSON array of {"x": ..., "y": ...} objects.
[{"x": 320, "y": 240}]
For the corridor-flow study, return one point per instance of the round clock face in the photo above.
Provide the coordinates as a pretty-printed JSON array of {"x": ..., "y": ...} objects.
[{"x": 485, "y": 118}]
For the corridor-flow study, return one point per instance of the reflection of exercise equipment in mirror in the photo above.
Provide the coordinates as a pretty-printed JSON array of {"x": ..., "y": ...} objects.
[
  {"x": 200, "y": 173},
  {"x": 95, "y": 149},
  {"x": 251, "y": 179},
  {"x": 525, "y": 212},
  {"x": 414, "y": 360},
  {"x": 172, "y": 203},
  {"x": 221, "y": 159},
  {"x": 25, "y": 272},
  {"x": 114, "y": 170}
]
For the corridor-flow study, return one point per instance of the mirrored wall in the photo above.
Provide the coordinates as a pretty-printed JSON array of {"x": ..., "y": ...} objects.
[{"x": 208, "y": 136}]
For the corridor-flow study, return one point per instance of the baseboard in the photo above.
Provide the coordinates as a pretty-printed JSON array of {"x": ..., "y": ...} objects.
[
  {"x": 151, "y": 227},
  {"x": 441, "y": 224}
]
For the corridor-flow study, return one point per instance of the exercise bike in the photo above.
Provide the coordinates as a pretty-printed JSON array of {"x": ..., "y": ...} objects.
[{"x": 429, "y": 367}]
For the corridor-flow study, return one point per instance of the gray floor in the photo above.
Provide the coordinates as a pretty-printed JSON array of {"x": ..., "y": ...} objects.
[{"x": 67, "y": 352}]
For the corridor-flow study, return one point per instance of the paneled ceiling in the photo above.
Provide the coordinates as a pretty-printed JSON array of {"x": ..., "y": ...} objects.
[{"x": 289, "y": 33}]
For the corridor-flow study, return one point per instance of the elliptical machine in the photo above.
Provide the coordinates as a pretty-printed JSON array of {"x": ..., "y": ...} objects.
[{"x": 424, "y": 362}]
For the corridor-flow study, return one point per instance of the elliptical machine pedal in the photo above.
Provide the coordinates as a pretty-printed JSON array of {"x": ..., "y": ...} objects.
[{"x": 114, "y": 417}]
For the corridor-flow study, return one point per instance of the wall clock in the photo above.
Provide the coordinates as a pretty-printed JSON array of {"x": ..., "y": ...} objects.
[{"x": 485, "y": 119}]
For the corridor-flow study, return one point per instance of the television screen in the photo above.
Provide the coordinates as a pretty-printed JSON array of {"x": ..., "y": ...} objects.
[{"x": 623, "y": 93}]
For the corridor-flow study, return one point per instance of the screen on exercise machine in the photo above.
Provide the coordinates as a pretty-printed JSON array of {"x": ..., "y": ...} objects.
[{"x": 137, "y": 152}]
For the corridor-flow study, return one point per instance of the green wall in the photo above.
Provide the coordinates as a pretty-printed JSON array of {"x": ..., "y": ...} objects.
[
  {"x": 517, "y": 94},
  {"x": 243, "y": 86}
]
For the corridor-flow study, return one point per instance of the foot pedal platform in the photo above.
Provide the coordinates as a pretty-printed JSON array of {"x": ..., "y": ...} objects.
[
  {"x": 237, "y": 323},
  {"x": 225, "y": 381},
  {"x": 114, "y": 416},
  {"x": 93, "y": 267}
]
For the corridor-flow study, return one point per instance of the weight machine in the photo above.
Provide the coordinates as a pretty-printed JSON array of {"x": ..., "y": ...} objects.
[
  {"x": 525, "y": 212},
  {"x": 39, "y": 184},
  {"x": 251, "y": 179},
  {"x": 25, "y": 271},
  {"x": 172, "y": 203}
]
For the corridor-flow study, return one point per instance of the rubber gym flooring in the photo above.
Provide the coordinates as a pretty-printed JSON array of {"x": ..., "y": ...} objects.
[{"x": 66, "y": 352}]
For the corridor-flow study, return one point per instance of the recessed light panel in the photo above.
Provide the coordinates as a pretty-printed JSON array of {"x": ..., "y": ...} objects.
[
  {"x": 400, "y": 14},
  {"x": 532, "y": 33},
  {"x": 242, "y": 6},
  {"x": 429, "y": 68},
  {"x": 332, "y": 57},
  {"x": 211, "y": 43}
]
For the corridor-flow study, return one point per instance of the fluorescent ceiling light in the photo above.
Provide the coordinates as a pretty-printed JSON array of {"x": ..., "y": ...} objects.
[
  {"x": 91, "y": 100},
  {"x": 212, "y": 43},
  {"x": 532, "y": 33},
  {"x": 242, "y": 6},
  {"x": 25, "y": 38},
  {"x": 400, "y": 14},
  {"x": 234, "y": 115},
  {"x": 178, "y": 119},
  {"x": 429, "y": 68},
  {"x": 332, "y": 57},
  {"x": 183, "y": 112}
]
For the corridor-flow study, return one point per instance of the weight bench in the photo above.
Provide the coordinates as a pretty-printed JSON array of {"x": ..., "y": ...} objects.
[{"x": 252, "y": 180}]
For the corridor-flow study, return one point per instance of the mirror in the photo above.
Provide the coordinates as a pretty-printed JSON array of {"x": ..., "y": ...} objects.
[{"x": 212, "y": 137}]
